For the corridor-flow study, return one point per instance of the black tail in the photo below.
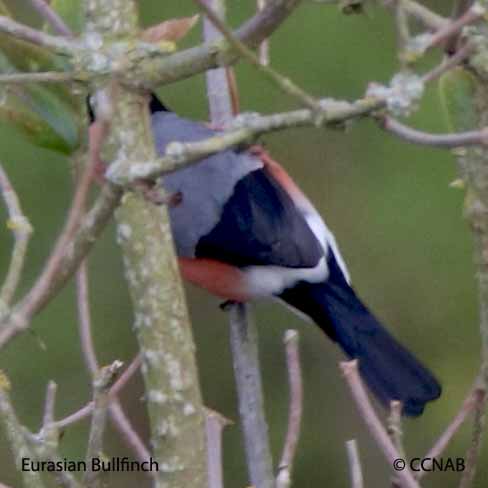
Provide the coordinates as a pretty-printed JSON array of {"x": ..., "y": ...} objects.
[{"x": 390, "y": 371}]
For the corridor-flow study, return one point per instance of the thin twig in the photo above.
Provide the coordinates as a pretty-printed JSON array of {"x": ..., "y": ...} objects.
[
  {"x": 52, "y": 17},
  {"x": 373, "y": 423},
  {"x": 15, "y": 434},
  {"x": 450, "y": 63},
  {"x": 220, "y": 104},
  {"x": 396, "y": 433},
  {"x": 214, "y": 425},
  {"x": 448, "y": 141},
  {"x": 101, "y": 399},
  {"x": 458, "y": 9},
  {"x": 403, "y": 31},
  {"x": 22, "y": 230},
  {"x": 429, "y": 18},
  {"x": 243, "y": 340},
  {"x": 442, "y": 442},
  {"x": 117, "y": 414},
  {"x": 283, "y": 479},
  {"x": 87, "y": 409},
  {"x": 395, "y": 426},
  {"x": 264, "y": 45},
  {"x": 285, "y": 84},
  {"x": 46, "y": 442},
  {"x": 75, "y": 251},
  {"x": 49, "y": 404},
  {"x": 75, "y": 216},
  {"x": 20, "y": 31},
  {"x": 218, "y": 93},
  {"x": 179, "y": 155},
  {"x": 452, "y": 28},
  {"x": 45, "y": 77},
  {"x": 354, "y": 464}
]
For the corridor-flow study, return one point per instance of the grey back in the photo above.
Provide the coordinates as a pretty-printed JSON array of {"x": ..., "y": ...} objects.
[{"x": 205, "y": 186}]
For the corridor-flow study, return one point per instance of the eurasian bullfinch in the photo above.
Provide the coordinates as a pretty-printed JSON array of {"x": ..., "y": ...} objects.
[{"x": 243, "y": 230}]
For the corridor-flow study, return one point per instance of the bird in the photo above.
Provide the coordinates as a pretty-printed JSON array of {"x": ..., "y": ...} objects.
[{"x": 243, "y": 230}]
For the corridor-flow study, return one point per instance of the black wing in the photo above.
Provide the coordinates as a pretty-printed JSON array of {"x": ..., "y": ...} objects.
[{"x": 260, "y": 225}]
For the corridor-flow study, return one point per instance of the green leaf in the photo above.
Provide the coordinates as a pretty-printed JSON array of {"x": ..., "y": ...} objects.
[
  {"x": 34, "y": 129},
  {"x": 57, "y": 114},
  {"x": 43, "y": 118}
]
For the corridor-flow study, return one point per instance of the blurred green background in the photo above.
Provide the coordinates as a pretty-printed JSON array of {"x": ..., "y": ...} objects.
[{"x": 399, "y": 225}]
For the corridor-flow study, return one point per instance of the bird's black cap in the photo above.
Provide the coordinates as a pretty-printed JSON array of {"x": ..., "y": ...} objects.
[{"x": 155, "y": 105}]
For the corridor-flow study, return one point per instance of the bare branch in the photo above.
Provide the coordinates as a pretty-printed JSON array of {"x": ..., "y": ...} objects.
[
  {"x": 22, "y": 230},
  {"x": 403, "y": 31},
  {"x": 458, "y": 9},
  {"x": 450, "y": 63},
  {"x": 45, "y": 77},
  {"x": 452, "y": 28},
  {"x": 373, "y": 423},
  {"x": 243, "y": 341},
  {"x": 354, "y": 464},
  {"x": 283, "y": 479},
  {"x": 49, "y": 404},
  {"x": 117, "y": 414},
  {"x": 57, "y": 44},
  {"x": 285, "y": 84},
  {"x": 218, "y": 93},
  {"x": 101, "y": 398},
  {"x": 247, "y": 128},
  {"x": 87, "y": 410},
  {"x": 53, "y": 265},
  {"x": 264, "y": 45},
  {"x": 74, "y": 252},
  {"x": 15, "y": 434},
  {"x": 438, "y": 448},
  {"x": 448, "y": 141},
  {"x": 214, "y": 425},
  {"x": 395, "y": 426},
  {"x": 430, "y": 19},
  {"x": 396, "y": 434},
  {"x": 52, "y": 17}
]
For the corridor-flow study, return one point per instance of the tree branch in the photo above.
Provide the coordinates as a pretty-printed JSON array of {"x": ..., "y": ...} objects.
[
  {"x": 44, "y": 77},
  {"x": 218, "y": 93},
  {"x": 354, "y": 464},
  {"x": 101, "y": 399},
  {"x": 161, "y": 322},
  {"x": 15, "y": 434},
  {"x": 87, "y": 410},
  {"x": 247, "y": 128},
  {"x": 447, "y": 141},
  {"x": 285, "y": 84},
  {"x": 58, "y": 44},
  {"x": 283, "y": 479},
  {"x": 75, "y": 251},
  {"x": 214, "y": 425},
  {"x": 184, "y": 64},
  {"x": 244, "y": 346},
  {"x": 423, "y": 14},
  {"x": 22, "y": 230},
  {"x": 471, "y": 16},
  {"x": 438, "y": 448},
  {"x": 373, "y": 423},
  {"x": 52, "y": 17},
  {"x": 117, "y": 414}
]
